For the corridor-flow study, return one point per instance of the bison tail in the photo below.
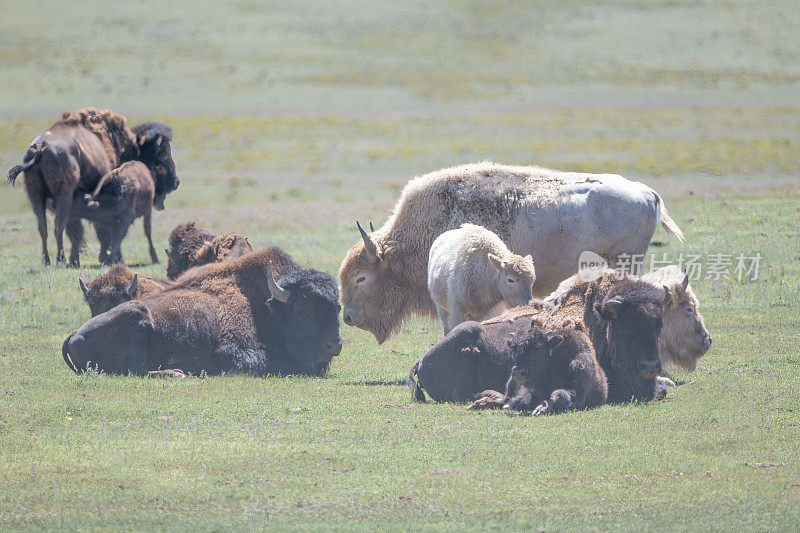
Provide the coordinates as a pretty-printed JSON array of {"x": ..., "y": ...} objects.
[
  {"x": 15, "y": 171},
  {"x": 667, "y": 223},
  {"x": 416, "y": 389},
  {"x": 66, "y": 356}
]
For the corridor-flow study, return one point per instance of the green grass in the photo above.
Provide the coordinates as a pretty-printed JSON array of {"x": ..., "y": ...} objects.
[{"x": 293, "y": 121}]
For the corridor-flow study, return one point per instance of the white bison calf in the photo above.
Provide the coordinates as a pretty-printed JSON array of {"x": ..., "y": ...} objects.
[{"x": 472, "y": 275}]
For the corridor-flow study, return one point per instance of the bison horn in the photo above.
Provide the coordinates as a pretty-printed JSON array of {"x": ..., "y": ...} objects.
[
  {"x": 685, "y": 284},
  {"x": 667, "y": 295},
  {"x": 369, "y": 244},
  {"x": 371, "y": 227},
  {"x": 83, "y": 286},
  {"x": 282, "y": 295},
  {"x": 611, "y": 307}
]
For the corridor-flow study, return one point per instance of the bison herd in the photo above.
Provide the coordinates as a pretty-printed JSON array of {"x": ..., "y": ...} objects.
[{"x": 473, "y": 245}]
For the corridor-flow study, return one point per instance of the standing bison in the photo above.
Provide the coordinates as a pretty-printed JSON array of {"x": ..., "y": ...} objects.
[
  {"x": 551, "y": 215},
  {"x": 472, "y": 273},
  {"x": 123, "y": 195},
  {"x": 72, "y": 156},
  {"x": 259, "y": 314}
]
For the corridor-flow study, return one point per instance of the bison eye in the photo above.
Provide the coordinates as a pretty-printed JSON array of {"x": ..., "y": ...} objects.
[
  {"x": 361, "y": 279},
  {"x": 690, "y": 310},
  {"x": 510, "y": 280}
]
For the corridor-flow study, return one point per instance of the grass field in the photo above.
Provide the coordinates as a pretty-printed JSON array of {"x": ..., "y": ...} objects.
[{"x": 291, "y": 122}]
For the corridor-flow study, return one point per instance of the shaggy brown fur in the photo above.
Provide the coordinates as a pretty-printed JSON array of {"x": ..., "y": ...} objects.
[
  {"x": 117, "y": 285},
  {"x": 72, "y": 155},
  {"x": 190, "y": 246},
  {"x": 235, "y": 316},
  {"x": 110, "y": 127},
  {"x": 123, "y": 195}
]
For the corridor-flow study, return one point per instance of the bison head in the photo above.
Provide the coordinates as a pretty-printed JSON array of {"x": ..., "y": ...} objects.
[
  {"x": 372, "y": 299},
  {"x": 633, "y": 311},
  {"x": 304, "y": 322},
  {"x": 109, "y": 290},
  {"x": 185, "y": 241},
  {"x": 684, "y": 338},
  {"x": 516, "y": 278},
  {"x": 153, "y": 140}
]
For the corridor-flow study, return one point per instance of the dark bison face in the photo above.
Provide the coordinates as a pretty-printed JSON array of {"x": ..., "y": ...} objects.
[
  {"x": 107, "y": 292},
  {"x": 115, "y": 342},
  {"x": 634, "y": 311},
  {"x": 531, "y": 351},
  {"x": 155, "y": 151},
  {"x": 185, "y": 241},
  {"x": 305, "y": 315}
]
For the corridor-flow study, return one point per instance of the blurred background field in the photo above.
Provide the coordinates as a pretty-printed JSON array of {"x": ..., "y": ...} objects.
[{"x": 293, "y": 120}]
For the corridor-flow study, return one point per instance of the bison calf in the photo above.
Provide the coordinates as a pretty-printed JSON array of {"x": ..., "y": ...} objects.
[
  {"x": 190, "y": 246},
  {"x": 471, "y": 272},
  {"x": 121, "y": 196},
  {"x": 119, "y": 284},
  {"x": 554, "y": 372}
]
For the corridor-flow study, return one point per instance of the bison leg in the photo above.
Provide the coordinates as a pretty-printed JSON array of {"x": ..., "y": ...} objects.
[
  {"x": 560, "y": 400},
  {"x": 63, "y": 208},
  {"x": 75, "y": 234},
  {"x": 104, "y": 237},
  {"x": 39, "y": 210},
  {"x": 120, "y": 230},
  {"x": 146, "y": 223},
  {"x": 443, "y": 318}
]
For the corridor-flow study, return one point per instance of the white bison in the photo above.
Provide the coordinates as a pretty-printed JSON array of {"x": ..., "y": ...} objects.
[
  {"x": 551, "y": 215},
  {"x": 472, "y": 275}
]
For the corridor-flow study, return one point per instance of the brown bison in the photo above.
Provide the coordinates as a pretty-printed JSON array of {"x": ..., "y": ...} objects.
[
  {"x": 123, "y": 195},
  {"x": 120, "y": 284},
  {"x": 553, "y": 216},
  {"x": 684, "y": 338},
  {"x": 623, "y": 319},
  {"x": 260, "y": 314},
  {"x": 190, "y": 246},
  {"x": 71, "y": 157},
  {"x": 553, "y": 372}
]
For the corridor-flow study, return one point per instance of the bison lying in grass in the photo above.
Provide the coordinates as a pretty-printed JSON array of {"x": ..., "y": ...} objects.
[
  {"x": 259, "y": 314},
  {"x": 684, "y": 338},
  {"x": 120, "y": 284},
  {"x": 553, "y": 372},
  {"x": 623, "y": 319},
  {"x": 190, "y": 246}
]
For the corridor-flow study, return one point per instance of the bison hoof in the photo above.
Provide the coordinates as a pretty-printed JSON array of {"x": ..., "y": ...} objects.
[{"x": 542, "y": 409}]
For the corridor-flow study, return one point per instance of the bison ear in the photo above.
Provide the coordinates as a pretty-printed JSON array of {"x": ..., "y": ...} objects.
[
  {"x": 667, "y": 296},
  {"x": 133, "y": 288},
  {"x": 83, "y": 287},
  {"x": 608, "y": 309},
  {"x": 497, "y": 262}
]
